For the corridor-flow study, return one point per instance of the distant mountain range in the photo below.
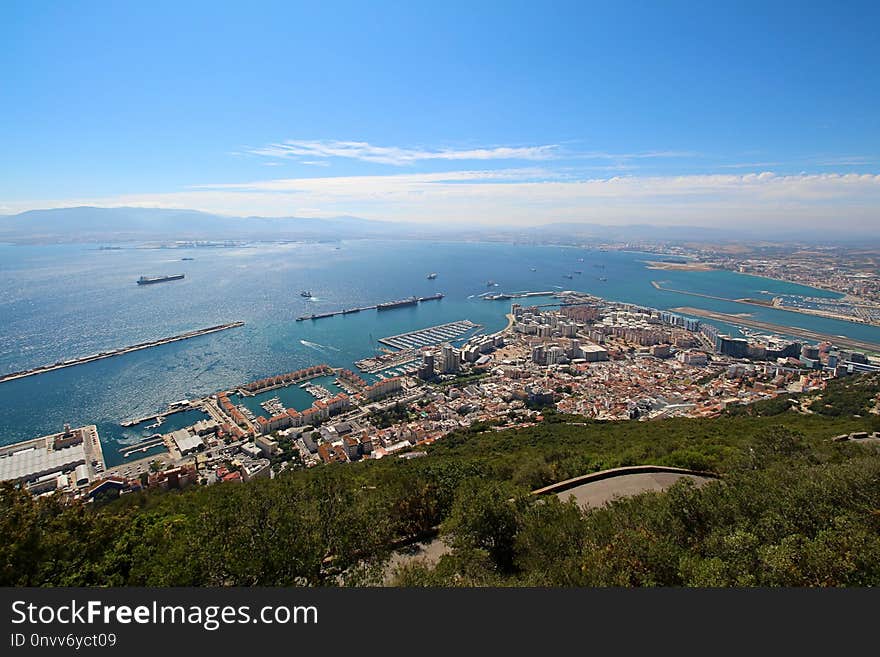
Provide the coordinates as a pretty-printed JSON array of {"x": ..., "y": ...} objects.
[{"x": 90, "y": 224}]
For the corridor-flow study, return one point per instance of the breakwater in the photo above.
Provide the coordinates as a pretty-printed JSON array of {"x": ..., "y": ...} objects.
[{"x": 117, "y": 352}]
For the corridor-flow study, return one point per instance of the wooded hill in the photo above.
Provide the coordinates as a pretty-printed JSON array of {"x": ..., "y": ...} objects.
[{"x": 793, "y": 508}]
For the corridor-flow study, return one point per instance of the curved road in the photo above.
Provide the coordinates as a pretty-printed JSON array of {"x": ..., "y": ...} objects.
[{"x": 590, "y": 491}]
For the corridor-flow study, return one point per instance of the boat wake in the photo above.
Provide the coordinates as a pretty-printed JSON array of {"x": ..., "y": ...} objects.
[
  {"x": 558, "y": 287},
  {"x": 315, "y": 345}
]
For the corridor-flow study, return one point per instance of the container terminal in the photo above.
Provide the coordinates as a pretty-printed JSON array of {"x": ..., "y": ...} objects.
[
  {"x": 387, "y": 305},
  {"x": 118, "y": 352}
]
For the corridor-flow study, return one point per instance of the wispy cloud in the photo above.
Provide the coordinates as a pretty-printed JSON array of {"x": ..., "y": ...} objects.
[
  {"x": 366, "y": 152},
  {"x": 845, "y": 161},
  {"x": 320, "y": 151},
  {"x": 750, "y": 165},
  {"x": 647, "y": 155}
]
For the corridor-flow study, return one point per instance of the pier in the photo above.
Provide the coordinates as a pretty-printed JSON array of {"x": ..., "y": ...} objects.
[
  {"x": 142, "y": 446},
  {"x": 387, "y": 305},
  {"x": 118, "y": 352}
]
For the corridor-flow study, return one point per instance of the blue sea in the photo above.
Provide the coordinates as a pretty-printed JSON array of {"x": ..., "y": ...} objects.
[{"x": 64, "y": 301}]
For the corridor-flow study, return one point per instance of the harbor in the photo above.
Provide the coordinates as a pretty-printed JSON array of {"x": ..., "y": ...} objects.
[
  {"x": 142, "y": 446},
  {"x": 118, "y": 352},
  {"x": 376, "y": 364},
  {"x": 384, "y": 306},
  {"x": 503, "y": 296},
  {"x": 430, "y": 336}
]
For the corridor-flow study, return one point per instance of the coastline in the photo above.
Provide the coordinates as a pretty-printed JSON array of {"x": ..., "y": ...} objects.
[{"x": 678, "y": 266}]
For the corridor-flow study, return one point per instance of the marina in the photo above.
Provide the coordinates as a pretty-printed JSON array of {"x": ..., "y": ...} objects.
[
  {"x": 430, "y": 336},
  {"x": 118, "y": 352},
  {"x": 377, "y": 364},
  {"x": 386, "y": 305}
]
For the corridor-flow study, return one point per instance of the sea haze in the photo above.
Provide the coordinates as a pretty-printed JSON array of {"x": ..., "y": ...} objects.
[{"x": 64, "y": 301}]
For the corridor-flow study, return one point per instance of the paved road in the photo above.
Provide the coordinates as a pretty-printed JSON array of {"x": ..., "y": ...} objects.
[{"x": 597, "y": 493}]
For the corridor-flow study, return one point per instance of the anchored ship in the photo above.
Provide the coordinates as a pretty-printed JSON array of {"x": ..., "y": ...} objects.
[
  {"x": 149, "y": 280},
  {"x": 388, "y": 305}
]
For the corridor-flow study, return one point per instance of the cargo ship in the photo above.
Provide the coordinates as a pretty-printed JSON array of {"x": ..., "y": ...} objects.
[
  {"x": 389, "y": 305},
  {"x": 432, "y": 297},
  {"x": 149, "y": 280}
]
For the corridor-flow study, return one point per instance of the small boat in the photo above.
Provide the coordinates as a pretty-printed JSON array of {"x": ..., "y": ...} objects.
[
  {"x": 578, "y": 271},
  {"x": 532, "y": 269},
  {"x": 431, "y": 276},
  {"x": 603, "y": 279},
  {"x": 491, "y": 283},
  {"x": 568, "y": 276},
  {"x": 306, "y": 294}
]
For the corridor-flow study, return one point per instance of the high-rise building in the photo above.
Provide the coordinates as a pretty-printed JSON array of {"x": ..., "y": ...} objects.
[
  {"x": 734, "y": 347},
  {"x": 448, "y": 359},
  {"x": 555, "y": 355},
  {"x": 426, "y": 371},
  {"x": 538, "y": 355}
]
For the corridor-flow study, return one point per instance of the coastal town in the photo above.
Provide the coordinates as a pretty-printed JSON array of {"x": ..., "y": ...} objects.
[
  {"x": 850, "y": 273},
  {"x": 577, "y": 355}
]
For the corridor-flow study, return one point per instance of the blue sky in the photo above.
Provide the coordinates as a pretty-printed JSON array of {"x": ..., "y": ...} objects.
[{"x": 492, "y": 112}]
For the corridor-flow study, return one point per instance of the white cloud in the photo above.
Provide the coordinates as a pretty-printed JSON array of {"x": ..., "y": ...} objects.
[
  {"x": 321, "y": 150},
  {"x": 360, "y": 150},
  {"x": 536, "y": 196}
]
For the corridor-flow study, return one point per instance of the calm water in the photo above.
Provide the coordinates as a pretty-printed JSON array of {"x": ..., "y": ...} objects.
[{"x": 63, "y": 301}]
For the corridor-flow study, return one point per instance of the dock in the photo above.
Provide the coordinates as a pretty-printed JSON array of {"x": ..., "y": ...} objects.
[
  {"x": 118, "y": 352},
  {"x": 503, "y": 296},
  {"x": 385, "y": 305},
  {"x": 142, "y": 446},
  {"x": 430, "y": 336}
]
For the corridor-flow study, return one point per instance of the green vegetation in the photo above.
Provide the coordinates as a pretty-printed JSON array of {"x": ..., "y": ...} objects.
[
  {"x": 462, "y": 379},
  {"x": 385, "y": 418},
  {"x": 793, "y": 508}
]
